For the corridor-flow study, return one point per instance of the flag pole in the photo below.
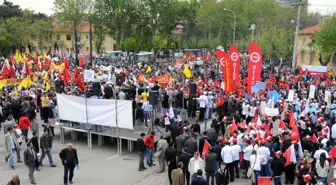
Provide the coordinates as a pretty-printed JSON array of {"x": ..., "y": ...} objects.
[{"x": 117, "y": 127}]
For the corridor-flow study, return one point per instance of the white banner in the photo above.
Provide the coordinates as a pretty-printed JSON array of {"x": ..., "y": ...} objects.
[
  {"x": 312, "y": 91},
  {"x": 99, "y": 111},
  {"x": 291, "y": 95},
  {"x": 272, "y": 111},
  {"x": 327, "y": 97},
  {"x": 88, "y": 75}
]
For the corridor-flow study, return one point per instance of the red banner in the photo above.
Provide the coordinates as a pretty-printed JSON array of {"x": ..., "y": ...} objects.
[
  {"x": 224, "y": 61},
  {"x": 254, "y": 66},
  {"x": 235, "y": 67}
]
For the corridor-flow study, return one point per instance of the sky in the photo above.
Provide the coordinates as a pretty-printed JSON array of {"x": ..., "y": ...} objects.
[{"x": 45, "y": 6}]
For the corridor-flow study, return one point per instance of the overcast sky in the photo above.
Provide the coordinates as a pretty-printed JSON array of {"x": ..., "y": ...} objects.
[{"x": 45, "y": 6}]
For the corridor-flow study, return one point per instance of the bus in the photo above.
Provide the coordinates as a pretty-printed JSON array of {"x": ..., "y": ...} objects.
[
  {"x": 144, "y": 56},
  {"x": 113, "y": 55}
]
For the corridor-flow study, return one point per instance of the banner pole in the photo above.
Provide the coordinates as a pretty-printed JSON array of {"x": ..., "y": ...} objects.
[
  {"x": 117, "y": 127},
  {"x": 87, "y": 123}
]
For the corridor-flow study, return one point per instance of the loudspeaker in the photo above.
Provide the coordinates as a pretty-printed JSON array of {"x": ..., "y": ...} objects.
[
  {"x": 192, "y": 90},
  {"x": 96, "y": 88},
  {"x": 119, "y": 80},
  {"x": 59, "y": 86},
  {"x": 153, "y": 97},
  {"x": 130, "y": 93}
]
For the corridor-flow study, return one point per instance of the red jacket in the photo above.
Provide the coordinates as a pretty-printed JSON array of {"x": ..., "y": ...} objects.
[
  {"x": 24, "y": 123},
  {"x": 149, "y": 141}
]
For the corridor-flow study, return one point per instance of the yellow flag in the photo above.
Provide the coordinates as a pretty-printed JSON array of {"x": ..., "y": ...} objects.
[
  {"x": 187, "y": 72},
  {"x": 16, "y": 93},
  {"x": 23, "y": 57},
  {"x": 2, "y": 83},
  {"x": 17, "y": 56},
  {"x": 149, "y": 69},
  {"x": 25, "y": 83},
  {"x": 34, "y": 55},
  {"x": 47, "y": 85}
]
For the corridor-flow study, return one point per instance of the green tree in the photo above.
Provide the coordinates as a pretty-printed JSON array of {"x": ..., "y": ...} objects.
[
  {"x": 326, "y": 41},
  {"x": 8, "y": 10}
]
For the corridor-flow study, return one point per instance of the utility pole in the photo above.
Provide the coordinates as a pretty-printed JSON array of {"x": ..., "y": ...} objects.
[
  {"x": 299, "y": 5},
  {"x": 253, "y": 27},
  {"x": 76, "y": 44}
]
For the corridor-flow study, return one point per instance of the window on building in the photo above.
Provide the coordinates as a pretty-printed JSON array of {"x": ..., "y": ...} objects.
[
  {"x": 302, "y": 58},
  {"x": 68, "y": 37},
  {"x": 311, "y": 58},
  {"x": 58, "y": 37},
  {"x": 304, "y": 41}
]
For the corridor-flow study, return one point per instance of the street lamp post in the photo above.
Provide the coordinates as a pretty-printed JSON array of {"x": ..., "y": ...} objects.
[
  {"x": 253, "y": 27},
  {"x": 234, "y": 24}
]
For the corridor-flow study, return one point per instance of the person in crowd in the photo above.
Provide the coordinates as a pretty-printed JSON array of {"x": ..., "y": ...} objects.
[
  {"x": 30, "y": 159},
  {"x": 185, "y": 159},
  {"x": 46, "y": 149},
  {"x": 170, "y": 155},
  {"x": 222, "y": 175},
  {"x": 248, "y": 148},
  {"x": 322, "y": 168},
  {"x": 179, "y": 143},
  {"x": 227, "y": 157},
  {"x": 141, "y": 150},
  {"x": 69, "y": 160},
  {"x": 162, "y": 145},
  {"x": 15, "y": 180},
  {"x": 177, "y": 175},
  {"x": 50, "y": 133},
  {"x": 198, "y": 179},
  {"x": 25, "y": 125},
  {"x": 8, "y": 124},
  {"x": 236, "y": 151},
  {"x": 149, "y": 143},
  {"x": 278, "y": 165},
  {"x": 265, "y": 154},
  {"x": 191, "y": 145},
  {"x": 35, "y": 141},
  {"x": 196, "y": 163},
  {"x": 201, "y": 142},
  {"x": 45, "y": 107},
  {"x": 255, "y": 163},
  {"x": 146, "y": 109},
  {"x": 210, "y": 166},
  {"x": 12, "y": 146}
]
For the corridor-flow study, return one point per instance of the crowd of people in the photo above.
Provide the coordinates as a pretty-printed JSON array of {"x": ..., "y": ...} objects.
[{"x": 243, "y": 141}]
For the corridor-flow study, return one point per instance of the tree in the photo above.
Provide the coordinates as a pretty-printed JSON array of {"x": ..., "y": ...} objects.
[
  {"x": 43, "y": 32},
  {"x": 8, "y": 10},
  {"x": 326, "y": 40}
]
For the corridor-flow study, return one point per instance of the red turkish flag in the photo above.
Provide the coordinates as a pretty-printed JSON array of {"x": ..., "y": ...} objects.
[
  {"x": 332, "y": 152},
  {"x": 292, "y": 120},
  {"x": 81, "y": 61},
  {"x": 254, "y": 65},
  {"x": 314, "y": 139},
  {"x": 233, "y": 127},
  {"x": 295, "y": 135},
  {"x": 206, "y": 148}
]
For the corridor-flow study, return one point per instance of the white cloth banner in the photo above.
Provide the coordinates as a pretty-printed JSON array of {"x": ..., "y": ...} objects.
[
  {"x": 272, "y": 111},
  {"x": 312, "y": 91},
  {"x": 88, "y": 75},
  {"x": 291, "y": 95},
  {"x": 327, "y": 97},
  {"x": 99, "y": 111}
]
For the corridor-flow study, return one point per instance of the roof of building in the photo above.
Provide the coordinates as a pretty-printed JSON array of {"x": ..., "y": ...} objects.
[{"x": 310, "y": 30}]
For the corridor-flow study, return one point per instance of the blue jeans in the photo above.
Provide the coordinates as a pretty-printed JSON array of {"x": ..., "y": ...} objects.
[
  {"x": 217, "y": 165},
  {"x": 25, "y": 133},
  {"x": 50, "y": 142},
  {"x": 257, "y": 174},
  {"x": 149, "y": 155},
  {"x": 11, "y": 158},
  {"x": 206, "y": 113},
  {"x": 263, "y": 171},
  {"x": 277, "y": 180},
  {"x": 145, "y": 117},
  {"x": 48, "y": 152},
  {"x": 324, "y": 180}
]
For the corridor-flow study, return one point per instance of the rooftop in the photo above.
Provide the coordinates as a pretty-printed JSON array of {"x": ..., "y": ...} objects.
[{"x": 310, "y": 30}]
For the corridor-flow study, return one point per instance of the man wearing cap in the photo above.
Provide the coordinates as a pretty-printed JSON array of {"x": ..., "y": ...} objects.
[
  {"x": 278, "y": 166},
  {"x": 265, "y": 153},
  {"x": 236, "y": 150},
  {"x": 227, "y": 156},
  {"x": 307, "y": 179}
]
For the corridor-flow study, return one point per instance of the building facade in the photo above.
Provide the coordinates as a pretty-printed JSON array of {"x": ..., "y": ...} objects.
[{"x": 63, "y": 41}]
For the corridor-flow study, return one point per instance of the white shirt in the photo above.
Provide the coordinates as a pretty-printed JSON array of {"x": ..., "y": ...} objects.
[
  {"x": 264, "y": 153},
  {"x": 324, "y": 142},
  {"x": 247, "y": 152},
  {"x": 318, "y": 153},
  {"x": 252, "y": 111},
  {"x": 333, "y": 131},
  {"x": 255, "y": 161},
  {"x": 227, "y": 154},
  {"x": 203, "y": 101},
  {"x": 236, "y": 149},
  {"x": 245, "y": 110},
  {"x": 196, "y": 165}
]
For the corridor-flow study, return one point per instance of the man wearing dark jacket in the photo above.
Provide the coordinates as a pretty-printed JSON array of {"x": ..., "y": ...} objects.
[
  {"x": 210, "y": 166},
  {"x": 142, "y": 149},
  {"x": 15, "y": 180},
  {"x": 191, "y": 145},
  {"x": 185, "y": 159},
  {"x": 69, "y": 160},
  {"x": 170, "y": 155},
  {"x": 46, "y": 149},
  {"x": 201, "y": 142},
  {"x": 222, "y": 175},
  {"x": 278, "y": 167},
  {"x": 179, "y": 144}
]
